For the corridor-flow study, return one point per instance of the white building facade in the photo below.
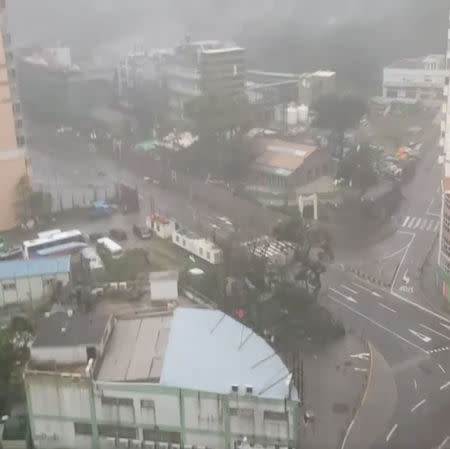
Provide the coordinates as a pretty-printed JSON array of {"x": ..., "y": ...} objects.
[
  {"x": 415, "y": 79},
  {"x": 196, "y": 404}
]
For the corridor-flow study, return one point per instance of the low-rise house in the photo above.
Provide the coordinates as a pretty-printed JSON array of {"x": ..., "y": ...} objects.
[
  {"x": 283, "y": 166},
  {"x": 163, "y": 227},
  {"x": 203, "y": 248},
  {"x": 32, "y": 280},
  {"x": 194, "y": 378}
]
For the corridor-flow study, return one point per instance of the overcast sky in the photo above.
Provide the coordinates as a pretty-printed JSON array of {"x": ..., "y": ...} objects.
[{"x": 315, "y": 32}]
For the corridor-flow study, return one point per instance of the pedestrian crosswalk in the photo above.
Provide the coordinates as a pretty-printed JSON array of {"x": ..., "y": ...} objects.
[{"x": 420, "y": 224}]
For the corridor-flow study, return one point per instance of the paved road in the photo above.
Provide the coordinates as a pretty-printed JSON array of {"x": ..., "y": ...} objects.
[
  {"x": 64, "y": 173},
  {"x": 415, "y": 342}
]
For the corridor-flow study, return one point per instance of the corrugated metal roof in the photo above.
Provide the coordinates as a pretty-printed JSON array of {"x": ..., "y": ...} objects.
[
  {"x": 210, "y": 351},
  {"x": 34, "y": 267}
]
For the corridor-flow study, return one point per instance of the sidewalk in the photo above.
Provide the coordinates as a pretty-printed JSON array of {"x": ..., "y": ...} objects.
[
  {"x": 334, "y": 384},
  {"x": 377, "y": 406}
]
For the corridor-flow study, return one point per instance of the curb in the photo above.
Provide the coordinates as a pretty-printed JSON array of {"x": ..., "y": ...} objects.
[
  {"x": 367, "y": 277},
  {"x": 363, "y": 399}
]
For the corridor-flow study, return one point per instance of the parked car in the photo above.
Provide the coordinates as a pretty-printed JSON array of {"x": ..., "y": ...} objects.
[
  {"x": 142, "y": 232},
  {"x": 11, "y": 254},
  {"x": 118, "y": 234}
]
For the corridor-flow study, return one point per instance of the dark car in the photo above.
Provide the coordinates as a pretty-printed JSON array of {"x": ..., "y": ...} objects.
[
  {"x": 142, "y": 232},
  {"x": 94, "y": 236},
  {"x": 118, "y": 234}
]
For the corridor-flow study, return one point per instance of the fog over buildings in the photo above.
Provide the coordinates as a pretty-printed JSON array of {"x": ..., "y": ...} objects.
[{"x": 319, "y": 32}]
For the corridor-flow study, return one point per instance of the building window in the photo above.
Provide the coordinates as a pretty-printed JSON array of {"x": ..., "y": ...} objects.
[
  {"x": 9, "y": 286},
  {"x": 208, "y": 255},
  {"x": 148, "y": 403},
  {"x": 162, "y": 436},
  {"x": 242, "y": 412},
  {"x": 16, "y": 108},
  {"x": 275, "y": 416},
  {"x": 184, "y": 242},
  {"x": 82, "y": 428},
  {"x": 20, "y": 141},
  {"x": 107, "y": 400},
  {"x": 106, "y": 430},
  {"x": 19, "y": 124}
]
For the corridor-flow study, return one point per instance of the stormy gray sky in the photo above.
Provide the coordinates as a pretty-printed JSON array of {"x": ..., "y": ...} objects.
[{"x": 279, "y": 34}]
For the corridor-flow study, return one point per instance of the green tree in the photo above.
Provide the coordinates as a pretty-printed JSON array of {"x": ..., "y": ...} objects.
[
  {"x": 339, "y": 112},
  {"x": 357, "y": 168},
  {"x": 31, "y": 204}
]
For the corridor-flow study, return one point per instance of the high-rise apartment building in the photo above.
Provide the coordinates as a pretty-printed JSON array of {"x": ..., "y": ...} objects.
[{"x": 13, "y": 160}]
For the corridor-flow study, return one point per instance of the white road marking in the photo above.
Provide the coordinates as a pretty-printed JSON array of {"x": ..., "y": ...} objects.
[
  {"x": 436, "y": 332},
  {"x": 363, "y": 370},
  {"x": 406, "y": 221},
  {"x": 348, "y": 298},
  {"x": 419, "y": 220},
  {"x": 387, "y": 307},
  {"x": 389, "y": 435},
  {"x": 418, "y": 405},
  {"x": 411, "y": 223},
  {"x": 349, "y": 289},
  {"x": 378, "y": 324},
  {"x": 423, "y": 337},
  {"x": 362, "y": 356},
  {"x": 436, "y": 227},
  {"x": 447, "y": 326},
  {"x": 367, "y": 289},
  {"x": 430, "y": 225},
  {"x": 442, "y": 369},
  {"x": 349, "y": 429},
  {"x": 415, "y": 384},
  {"x": 444, "y": 442},
  {"x": 424, "y": 223},
  {"x": 443, "y": 387}
]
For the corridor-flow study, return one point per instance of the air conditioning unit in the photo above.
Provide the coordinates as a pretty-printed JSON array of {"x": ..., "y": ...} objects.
[
  {"x": 187, "y": 446},
  {"x": 135, "y": 444},
  {"x": 174, "y": 446},
  {"x": 163, "y": 445},
  {"x": 123, "y": 443}
]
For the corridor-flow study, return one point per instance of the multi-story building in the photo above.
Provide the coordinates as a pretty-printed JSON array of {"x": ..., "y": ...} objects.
[
  {"x": 55, "y": 89},
  {"x": 414, "y": 79},
  {"x": 203, "y": 68},
  {"x": 314, "y": 85},
  {"x": 444, "y": 237},
  {"x": 191, "y": 378},
  {"x": 13, "y": 159}
]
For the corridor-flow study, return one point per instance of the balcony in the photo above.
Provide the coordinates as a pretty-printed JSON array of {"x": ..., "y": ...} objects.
[{"x": 183, "y": 72}]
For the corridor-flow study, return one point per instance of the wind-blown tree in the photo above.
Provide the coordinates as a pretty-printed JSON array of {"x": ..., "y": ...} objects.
[
  {"x": 339, "y": 112},
  {"x": 357, "y": 168},
  {"x": 220, "y": 122}
]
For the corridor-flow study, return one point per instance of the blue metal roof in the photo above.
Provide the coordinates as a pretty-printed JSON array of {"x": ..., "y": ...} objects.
[
  {"x": 34, "y": 267},
  {"x": 210, "y": 351}
]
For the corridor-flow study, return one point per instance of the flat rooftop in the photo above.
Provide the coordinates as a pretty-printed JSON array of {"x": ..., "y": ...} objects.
[
  {"x": 136, "y": 349},
  {"x": 198, "y": 349}
]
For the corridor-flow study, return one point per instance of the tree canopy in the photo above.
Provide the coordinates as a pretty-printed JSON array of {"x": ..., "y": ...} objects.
[
  {"x": 339, "y": 112},
  {"x": 357, "y": 168}
]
